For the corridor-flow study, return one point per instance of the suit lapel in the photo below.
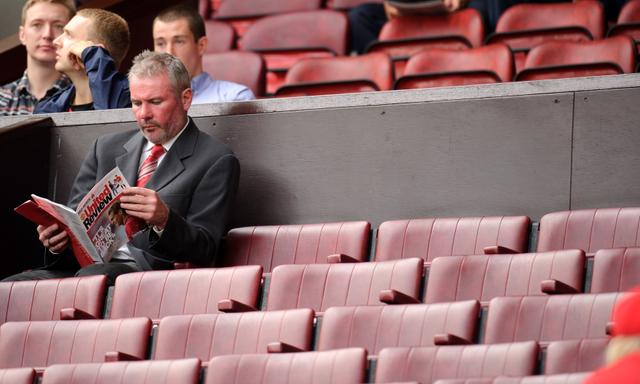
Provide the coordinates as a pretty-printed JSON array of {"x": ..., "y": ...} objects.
[{"x": 129, "y": 161}]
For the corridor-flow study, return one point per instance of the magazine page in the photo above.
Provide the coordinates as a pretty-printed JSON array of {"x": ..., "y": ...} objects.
[
  {"x": 418, "y": 7},
  {"x": 101, "y": 215}
]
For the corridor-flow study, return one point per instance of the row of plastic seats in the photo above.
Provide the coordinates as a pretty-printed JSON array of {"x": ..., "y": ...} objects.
[{"x": 492, "y": 364}]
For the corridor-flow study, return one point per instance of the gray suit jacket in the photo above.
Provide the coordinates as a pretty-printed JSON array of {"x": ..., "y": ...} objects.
[{"x": 197, "y": 179}]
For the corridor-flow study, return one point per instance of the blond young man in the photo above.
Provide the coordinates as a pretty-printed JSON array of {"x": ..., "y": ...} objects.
[{"x": 42, "y": 22}]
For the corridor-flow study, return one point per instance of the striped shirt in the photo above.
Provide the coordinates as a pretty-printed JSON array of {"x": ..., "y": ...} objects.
[{"x": 16, "y": 98}]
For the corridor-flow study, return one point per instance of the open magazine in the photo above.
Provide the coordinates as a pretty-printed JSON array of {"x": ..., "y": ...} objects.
[
  {"x": 96, "y": 229},
  {"x": 418, "y": 7}
]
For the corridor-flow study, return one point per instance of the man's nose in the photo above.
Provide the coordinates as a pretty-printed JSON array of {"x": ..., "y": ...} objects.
[
  {"x": 144, "y": 112},
  {"x": 49, "y": 32},
  {"x": 170, "y": 49}
]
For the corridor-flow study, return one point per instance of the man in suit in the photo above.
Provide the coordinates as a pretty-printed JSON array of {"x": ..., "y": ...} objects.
[{"x": 183, "y": 204}]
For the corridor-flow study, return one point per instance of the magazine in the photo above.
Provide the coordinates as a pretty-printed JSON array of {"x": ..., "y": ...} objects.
[
  {"x": 96, "y": 229},
  {"x": 418, "y": 7}
]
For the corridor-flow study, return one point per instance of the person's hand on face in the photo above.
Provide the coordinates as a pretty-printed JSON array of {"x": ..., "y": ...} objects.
[{"x": 75, "y": 52}]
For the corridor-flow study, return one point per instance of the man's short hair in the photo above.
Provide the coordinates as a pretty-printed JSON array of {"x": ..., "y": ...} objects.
[
  {"x": 149, "y": 64},
  {"x": 69, "y": 4},
  {"x": 110, "y": 30},
  {"x": 190, "y": 14}
]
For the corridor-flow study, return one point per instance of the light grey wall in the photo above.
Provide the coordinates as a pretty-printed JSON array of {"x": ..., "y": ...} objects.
[{"x": 10, "y": 17}]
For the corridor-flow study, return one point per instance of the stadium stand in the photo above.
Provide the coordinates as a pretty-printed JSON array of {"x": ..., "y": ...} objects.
[
  {"x": 404, "y": 36},
  {"x": 427, "y": 364},
  {"x": 240, "y": 67},
  {"x": 185, "y": 371},
  {"x": 286, "y": 38},
  {"x": 432, "y": 237},
  {"x": 435, "y": 67},
  {"x": 343, "y": 366},
  {"x": 222, "y": 36},
  {"x": 270, "y": 246},
  {"x": 562, "y": 59},
  {"x": 615, "y": 270},
  {"x": 570, "y": 356},
  {"x": 54, "y": 299},
  {"x": 523, "y": 26},
  {"x": 484, "y": 277},
  {"x": 321, "y": 286},
  {"x": 206, "y": 336},
  {"x": 157, "y": 294},
  {"x": 322, "y": 76},
  {"x": 414, "y": 325}
]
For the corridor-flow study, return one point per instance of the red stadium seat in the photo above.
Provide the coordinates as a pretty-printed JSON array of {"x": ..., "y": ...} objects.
[
  {"x": 344, "y": 366},
  {"x": 615, "y": 270},
  {"x": 414, "y": 325},
  {"x": 483, "y": 277},
  {"x": 568, "y": 378},
  {"x": 590, "y": 229},
  {"x": 81, "y": 297},
  {"x": 562, "y": 59},
  {"x": 271, "y": 246},
  {"x": 426, "y": 365},
  {"x": 206, "y": 336},
  {"x": 284, "y": 39},
  {"x": 430, "y": 238},
  {"x": 549, "y": 318},
  {"x": 523, "y": 26},
  {"x": 347, "y": 4},
  {"x": 222, "y": 36},
  {"x": 157, "y": 294},
  {"x": 17, "y": 376},
  {"x": 575, "y": 356},
  {"x": 628, "y": 22},
  {"x": 445, "y": 67},
  {"x": 323, "y": 76},
  {"x": 240, "y": 67},
  {"x": 404, "y": 36},
  {"x": 243, "y": 13},
  {"x": 39, "y": 344},
  {"x": 185, "y": 371},
  {"x": 320, "y": 286}
]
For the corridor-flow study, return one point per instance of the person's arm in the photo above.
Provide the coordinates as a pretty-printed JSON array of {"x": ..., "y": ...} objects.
[
  {"x": 454, "y": 5},
  {"x": 109, "y": 88}
]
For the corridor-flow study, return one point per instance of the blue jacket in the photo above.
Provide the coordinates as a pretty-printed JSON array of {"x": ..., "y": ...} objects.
[{"x": 110, "y": 88}]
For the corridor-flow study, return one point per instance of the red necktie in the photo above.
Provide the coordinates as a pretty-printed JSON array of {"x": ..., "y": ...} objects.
[{"x": 146, "y": 170}]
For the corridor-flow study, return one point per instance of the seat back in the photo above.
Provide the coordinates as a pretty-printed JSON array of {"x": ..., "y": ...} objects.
[
  {"x": 17, "y": 376},
  {"x": 206, "y": 336},
  {"x": 157, "y": 294},
  {"x": 348, "y": 4},
  {"x": 270, "y": 246},
  {"x": 615, "y": 270},
  {"x": 229, "y": 9},
  {"x": 433, "y": 237},
  {"x": 185, "y": 371},
  {"x": 445, "y": 67},
  {"x": 373, "y": 70},
  {"x": 567, "y": 378},
  {"x": 570, "y": 356},
  {"x": 43, "y": 343},
  {"x": 246, "y": 68},
  {"x": 562, "y": 59},
  {"x": 630, "y": 12},
  {"x": 340, "y": 366},
  {"x": 376, "y": 327},
  {"x": 628, "y": 22},
  {"x": 590, "y": 229},
  {"x": 549, "y": 318},
  {"x": 428, "y": 364},
  {"x": 43, "y": 299},
  {"x": 483, "y": 277},
  {"x": 222, "y": 36},
  {"x": 320, "y": 286}
]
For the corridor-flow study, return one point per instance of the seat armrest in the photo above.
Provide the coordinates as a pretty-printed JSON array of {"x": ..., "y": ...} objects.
[
  {"x": 110, "y": 357},
  {"x": 231, "y": 305},
  {"x": 391, "y": 296},
  {"x": 280, "y": 347},
  {"x": 555, "y": 287},
  {"x": 340, "y": 258},
  {"x": 449, "y": 339},
  {"x": 498, "y": 250},
  {"x": 75, "y": 314}
]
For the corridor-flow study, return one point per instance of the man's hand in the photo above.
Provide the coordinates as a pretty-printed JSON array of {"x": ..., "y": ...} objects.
[
  {"x": 454, "y": 5},
  {"x": 75, "y": 52},
  {"x": 53, "y": 238},
  {"x": 145, "y": 204},
  {"x": 391, "y": 11}
]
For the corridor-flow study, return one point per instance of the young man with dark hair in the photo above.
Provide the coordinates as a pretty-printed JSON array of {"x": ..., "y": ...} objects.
[
  {"x": 180, "y": 31},
  {"x": 89, "y": 52},
  {"x": 42, "y": 22}
]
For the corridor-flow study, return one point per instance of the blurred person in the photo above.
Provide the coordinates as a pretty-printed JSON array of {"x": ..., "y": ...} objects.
[
  {"x": 42, "y": 22},
  {"x": 180, "y": 31},
  {"x": 89, "y": 51},
  {"x": 184, "y": 181},
  {"x": 623, "y": 351}
]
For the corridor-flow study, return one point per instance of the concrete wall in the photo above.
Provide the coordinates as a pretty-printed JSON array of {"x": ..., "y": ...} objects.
[{"x": 10, "y": 17}]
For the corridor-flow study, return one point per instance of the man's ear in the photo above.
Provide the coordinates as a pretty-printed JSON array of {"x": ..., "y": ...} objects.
[
  {"x": 21, "y": 34},
  {"x": 203, "y": 42},
  {"x": 187, "y": 97}
]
